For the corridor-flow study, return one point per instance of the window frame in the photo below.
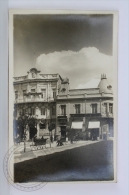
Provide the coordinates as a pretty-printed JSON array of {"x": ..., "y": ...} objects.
[
  {"x": 63, "y": 112},
  {"x": 33, "y": 111},
  {"x": 43, "y": 93},
  {"x": 111, "y": 108},
  {"x": 94, "y": 108},
  {"x": 16, "y": 95},
  {"x": 43, "y": 111},
  {"x": 105, "y": 108},
  {"x": 77, "y": 108},
  {"x": 33, "y": 90},
  {"x": 54, "y": 94}
]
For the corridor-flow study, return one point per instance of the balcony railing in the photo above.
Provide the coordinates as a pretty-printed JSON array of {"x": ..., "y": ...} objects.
[
  {"x": 62, "y": 119},
  {"x": 34, "y": 100},
  {"x": 108, "y": 114}
]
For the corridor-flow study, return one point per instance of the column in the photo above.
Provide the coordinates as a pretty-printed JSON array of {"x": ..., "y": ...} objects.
[
  {"x": 107, "y": 107},
  {"x": 48, "y": 92},
  {"x": 86, "y": 124},
  {"x": 100, "y": 106}
]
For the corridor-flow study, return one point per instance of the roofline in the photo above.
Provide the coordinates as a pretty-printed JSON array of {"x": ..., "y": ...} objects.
[{"x": 84, "y": 89}]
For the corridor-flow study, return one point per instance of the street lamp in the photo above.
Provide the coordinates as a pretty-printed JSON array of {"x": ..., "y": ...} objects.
[{"x": 24, "y": 138}]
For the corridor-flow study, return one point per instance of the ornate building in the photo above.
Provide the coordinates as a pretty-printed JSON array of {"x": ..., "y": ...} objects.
[
  {"x": 35, "y": 95},
  {"x": 49, "y": 97}
]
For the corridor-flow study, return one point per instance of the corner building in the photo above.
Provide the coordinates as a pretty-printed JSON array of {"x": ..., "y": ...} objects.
[
  {"x": 35, "y": 95},
  {"x": 49, "y": 97}
]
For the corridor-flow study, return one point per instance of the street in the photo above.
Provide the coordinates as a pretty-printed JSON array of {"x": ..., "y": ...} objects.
[{"x": 92, "y": 162}]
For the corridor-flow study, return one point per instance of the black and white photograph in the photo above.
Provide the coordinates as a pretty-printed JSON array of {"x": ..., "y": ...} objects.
[{"x": 63, "y": 95}]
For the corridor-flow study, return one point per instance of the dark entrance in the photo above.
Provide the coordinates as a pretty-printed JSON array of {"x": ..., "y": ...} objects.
[
  {"x": 93, "y": 134},
  {"x": 33, "y": 132},
  {"x": 63, "y": 131}
]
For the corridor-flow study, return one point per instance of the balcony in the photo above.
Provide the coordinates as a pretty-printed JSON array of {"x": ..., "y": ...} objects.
[
  {"x": 87, "y": 115},
  {"x": 27, "y": 100},
  {"x": 62, "y": 119},
  {"x": 107, "y": 115}
]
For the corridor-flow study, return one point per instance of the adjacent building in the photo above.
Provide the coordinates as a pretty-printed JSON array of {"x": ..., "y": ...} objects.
[{"x": 49, "y": 98}]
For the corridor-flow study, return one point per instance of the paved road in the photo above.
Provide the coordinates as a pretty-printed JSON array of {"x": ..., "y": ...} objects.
[{"x": 88, "y": 162}]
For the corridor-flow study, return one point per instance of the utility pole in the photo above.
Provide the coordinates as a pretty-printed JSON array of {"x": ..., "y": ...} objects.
[
  {"x": 24, "y": 137},
  {"x": 85, "y": 115}
]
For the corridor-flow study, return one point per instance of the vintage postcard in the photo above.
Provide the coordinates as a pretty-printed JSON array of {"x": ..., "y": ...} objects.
[{"x": 63, "y": 95}]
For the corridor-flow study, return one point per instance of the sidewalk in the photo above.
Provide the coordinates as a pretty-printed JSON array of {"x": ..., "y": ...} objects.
[{"x": 20, "y": 155}]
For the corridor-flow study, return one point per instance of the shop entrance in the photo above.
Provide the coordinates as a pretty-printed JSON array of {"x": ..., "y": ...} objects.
[
  {"x": 93, "y": 134},
  {"x": 63, "y": 131}
]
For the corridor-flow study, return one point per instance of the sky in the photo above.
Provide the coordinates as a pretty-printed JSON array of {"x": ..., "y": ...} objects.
[{"x": 75, "y": 46}]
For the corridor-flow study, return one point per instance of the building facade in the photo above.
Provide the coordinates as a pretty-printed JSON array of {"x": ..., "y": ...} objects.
[{"x": 49, "y": 98}]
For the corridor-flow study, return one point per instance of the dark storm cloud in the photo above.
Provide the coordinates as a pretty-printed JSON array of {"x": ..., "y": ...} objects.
[
  {"x": 48, "y": 33},
  {"x": 37, "y": 34}
]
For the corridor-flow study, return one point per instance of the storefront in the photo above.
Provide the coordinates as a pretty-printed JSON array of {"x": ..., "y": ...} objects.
[
  {"x": 77, "y": 127},
  {"x": 93, "y": 130},
  {"x": 63, "y": 131}
]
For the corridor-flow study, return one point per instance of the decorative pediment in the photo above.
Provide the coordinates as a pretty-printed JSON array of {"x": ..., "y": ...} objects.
[{"x": 33, "y": 73}]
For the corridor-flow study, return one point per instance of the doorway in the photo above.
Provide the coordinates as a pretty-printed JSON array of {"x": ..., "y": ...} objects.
[
  {"x": 94, "y": 134},
  {"x": 63, "y": 131}
]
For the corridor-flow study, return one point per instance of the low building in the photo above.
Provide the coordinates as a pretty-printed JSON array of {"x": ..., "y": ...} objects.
[
  {"x": 86, "y": 110},
  {"x": 49, "y": 98}
]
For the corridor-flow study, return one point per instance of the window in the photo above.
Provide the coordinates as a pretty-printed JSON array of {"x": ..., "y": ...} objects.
[
  {"x": 54, "y": 94},
  {"x": 24, "y": 91},
  {"x": 94, "y": 108},
  {"x": 111, "y": 108},
  {"x": 63, "y": 109},
  {"x": 29, "y": 110},
  {"x": 42, "y": 125},
  {"x": 43, "y": 95},
  {"x": 42, "y": 111},
  {"x": 32, "y": 90},
  {"x": 53, "y": 110},
  {"x": 32, "y": 111},
  {"x": 105, "y": 107},
  {"x": 16, "y": 95},
  {"x": 77, "y": 108},
  {"x": 33, "y": 97}
]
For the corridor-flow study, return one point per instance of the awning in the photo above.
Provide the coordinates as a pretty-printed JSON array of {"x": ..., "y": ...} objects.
[
  {"x": 77, "y": 125},
  {"x": 94, "y": 124}
]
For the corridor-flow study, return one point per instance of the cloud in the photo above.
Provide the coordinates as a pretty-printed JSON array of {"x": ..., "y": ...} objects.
[{"x": 79, "y": 67}]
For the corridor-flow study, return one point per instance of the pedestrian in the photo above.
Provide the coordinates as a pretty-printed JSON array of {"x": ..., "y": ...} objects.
[
  {"x": 35, "y": 137},
  {"x": 94, "y": 137},
  {"x": 71, "y": 137},
  {"x": 51, "y": 139},
  {"x": 59, "y": 142}
]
